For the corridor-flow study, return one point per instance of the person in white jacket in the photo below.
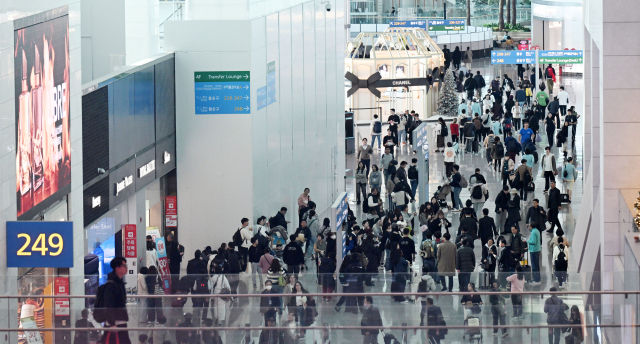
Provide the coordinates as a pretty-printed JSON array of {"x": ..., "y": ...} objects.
[
  {"x": 217, "y": 283},
  {"x": 142, "y": 290},
  {"x": 151, "y": 253},
  {"x": 560, "y": 265},
  {"x": 246, "y": 233}
]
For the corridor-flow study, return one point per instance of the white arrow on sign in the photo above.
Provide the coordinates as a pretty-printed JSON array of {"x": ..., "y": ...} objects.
[
  {"x": 246, "y": 97},
  {"x": 246, "y": 108},
  {"x": 246, "y": 76},
  {"x": 246, "y": 87}
]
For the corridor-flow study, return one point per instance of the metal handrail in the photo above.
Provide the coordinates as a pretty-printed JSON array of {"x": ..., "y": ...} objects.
[
  {"x": 455, "y": 293},
  {"x": 171, "y": 15}
]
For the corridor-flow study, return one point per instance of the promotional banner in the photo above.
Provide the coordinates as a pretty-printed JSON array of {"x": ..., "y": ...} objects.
[
  {"x": 163, "y": 269},
  {"x": 171, "y": 211},
  {"x": 129, "y": 241},
  {"x": 61, "y": 288},
  {"x": 43, "y": 145}
]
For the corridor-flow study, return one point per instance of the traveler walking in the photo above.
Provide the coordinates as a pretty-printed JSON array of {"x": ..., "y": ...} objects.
[
  {"x": 412, "y": 174},
  {"x": 449, "y": 159},
  {"x": 569, "y": 175},
  {"x": 455, "y": 180},
  {"x": 534, "y": 243},
  {"x": 364, "y": 154},
  {"x": 560, "y": 261},
  {"x": 435, "y": 318},
  {"x": 501, "y": 208},
  {"x": 385, "y": 159},
  {"x": 447, "y": 252},
  {"x": 505, "y": 261},
  {"x": 517, "y": 285},
  {"x": 375, "y": 130},
  {"x": 370, "y": 317},
  {"x": 465, "y": 264},
  {"x": 555, "y": 205},
  {"x": 489, "y": 261},
  {"x": 114, "y": 304},
  {"x": 456, "y": 56},
  {"x": 498, "y": 310},
  {"x": 361, "y": 182},
  {"x": 442, "y": 134},
  {"x": 555, "y": 309},
  {"x": 455, "y": 130},
  {"x": 577, "y": 332},
  {"x": 486, "y": 227},
  {"x": 479, "y": 194},
  {"x": 468, "y": 58},
  {"x": 480, "y": 84},
  {"x": 293, "y": 255},
  {"x": 548, "y": 166},
  {"x": 563, "y": 101}
]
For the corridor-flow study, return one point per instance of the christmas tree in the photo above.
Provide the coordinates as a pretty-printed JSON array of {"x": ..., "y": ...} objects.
[{"x": 448, "y": 102}]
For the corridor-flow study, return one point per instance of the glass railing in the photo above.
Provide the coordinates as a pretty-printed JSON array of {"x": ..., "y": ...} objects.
[{"x": 321, "y": 306}]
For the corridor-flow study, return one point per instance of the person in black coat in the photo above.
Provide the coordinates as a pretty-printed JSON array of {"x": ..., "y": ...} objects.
[
  {"x": 278, "y": 219},
  {"x": 536, "y": 214},
  {"x": 326, "y": 269},
  {"x": 174, "y": 252},
  {"x": 505, "y": 261},
  {"x": 373, "y": 256},
  {"x": 436, "y": 224},
  {"x": 370, "y": 317},
  {"x": 197, "y": 271},
  {"x": 480, "y": 84},
  {"x": 470, "y": 86},
  {"x": 555, "y": 205},
  {"x": 490, "y": 259},
  {"x": 465, "y": 263},
  {"x": 82, "y": 337},
  {"x": 513, "y": 210},
  {"x": 501, "y": 209},
  {"x": 293, "y": 255},
  {"x": 115, "y": 303},
  {"x": 435, "y": 318},
  {"x": 456, "y": 56},
  {"x": 486, "y": 227},
  {"x": 469, "y": 225},
  {"x": 464, "y": 236}
]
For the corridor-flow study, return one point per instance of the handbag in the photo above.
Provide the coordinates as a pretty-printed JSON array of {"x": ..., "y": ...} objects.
[{"x": 281, "y": 281}]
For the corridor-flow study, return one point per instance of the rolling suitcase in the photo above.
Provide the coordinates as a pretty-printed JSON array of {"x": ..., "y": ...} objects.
[
  {"x": 483, "y": 280},
  {"x": 526, "y": 267},
  {"x": 474, "y": 146},
  {"x": 564, "y": 198}
]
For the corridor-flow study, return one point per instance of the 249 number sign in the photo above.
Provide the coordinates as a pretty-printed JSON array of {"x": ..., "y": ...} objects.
[{"x": 39, "y": 244}]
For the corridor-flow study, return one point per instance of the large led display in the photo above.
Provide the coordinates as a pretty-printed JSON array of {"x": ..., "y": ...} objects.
[{"x": 43, "y": 146}]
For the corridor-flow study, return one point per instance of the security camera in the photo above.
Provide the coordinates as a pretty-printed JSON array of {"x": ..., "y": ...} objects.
[
  {"x": 101, "y": 171},
  {"x": 327, "y": 5}
]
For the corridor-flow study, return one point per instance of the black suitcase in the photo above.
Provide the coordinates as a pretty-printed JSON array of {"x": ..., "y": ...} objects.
[
  {"x": 564, "y": 198},
  {"x": 474, "y": 146}
]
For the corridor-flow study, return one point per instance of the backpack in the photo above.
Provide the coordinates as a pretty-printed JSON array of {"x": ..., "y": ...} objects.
[
  {"x": 237, "y": 238},
  {"x": 463, "y": 181},
  {"x": 527, "y": 177},
  {"x": 426, "y": 249},
  {"x": 233, "y": 263},
  {"x": 218, "y": 261},
  {"x": 477, "y": 192},
  {"x": 561, "y": 261},
  {"x": 444, "y": 131},
  {"x": 413, "y": 172},
  {"x": 377, "y": 127},
  {"x": 99, "y": 312},
  {"x": 499, "y": 152},
  {"x": 565, "y": 174},
  {"x": 512, "y": 145},
  {"x": 507, "y": 124}
]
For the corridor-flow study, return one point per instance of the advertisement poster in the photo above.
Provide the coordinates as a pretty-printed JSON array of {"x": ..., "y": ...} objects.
[
  {"x": 61, "y": 288},
  {"x": 129, "y": 241},
  {"x": 164, "y": 265},
  {"x": 43, "y": 146},
  {"x": 171, "y": 211},
  {"x": 32, "y": 337}
]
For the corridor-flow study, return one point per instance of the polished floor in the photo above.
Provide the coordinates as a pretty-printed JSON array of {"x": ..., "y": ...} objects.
[{"x": 245, "y": 311}]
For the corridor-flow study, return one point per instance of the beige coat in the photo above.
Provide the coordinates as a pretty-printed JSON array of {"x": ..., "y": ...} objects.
[
  {"x": 447, "y": 259},
  {"x": 364, "y": 153}
]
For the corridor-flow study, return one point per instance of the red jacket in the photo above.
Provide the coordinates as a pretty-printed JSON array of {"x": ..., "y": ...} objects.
[{"x": 455, "y": 129}]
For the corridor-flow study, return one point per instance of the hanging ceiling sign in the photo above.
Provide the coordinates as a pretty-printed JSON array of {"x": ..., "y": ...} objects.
[{"x": 375, "y": 81}]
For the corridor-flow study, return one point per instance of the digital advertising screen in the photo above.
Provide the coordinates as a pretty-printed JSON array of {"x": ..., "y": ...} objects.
[{"x": 43, "y": 145}]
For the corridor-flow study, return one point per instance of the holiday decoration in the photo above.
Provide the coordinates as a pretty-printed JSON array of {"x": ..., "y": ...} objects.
[{"x": 448, "y": 101}]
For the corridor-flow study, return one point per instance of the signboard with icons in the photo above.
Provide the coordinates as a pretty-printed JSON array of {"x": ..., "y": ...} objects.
[
  {"x": 447, "y": 25},
  {"x": 218, "y": 93}
]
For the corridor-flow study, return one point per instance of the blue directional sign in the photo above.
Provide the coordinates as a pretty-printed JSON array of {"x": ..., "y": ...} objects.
[
  {"x": 271, "y": 83},
  {"x": 422, "y": 24},
  {"x": 39, "y": 244},
  {"x": 218, "y": 93},
  {"x": 513, "y": 57},
  {"x": 342, "y": 211}
]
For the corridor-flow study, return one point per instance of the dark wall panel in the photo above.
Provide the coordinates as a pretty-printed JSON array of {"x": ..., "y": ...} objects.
[
  {"x": 98, "y": 189},
  {"x": 165, "y": 99},
  {"x": 122, "y": 121},
  {"x": 95, "y": 133},
  {"x": 144, "y": 108},
  {"x": 167, "y": 145}
]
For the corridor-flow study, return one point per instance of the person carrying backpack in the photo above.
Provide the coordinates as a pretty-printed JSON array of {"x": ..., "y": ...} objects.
[
  {"x": 560, "y": 261},
  {"x": 497, "y": 153},
  {"x": 555, "y": 309},
  {"x": 428, "y": 250},
  {"x": 412, "y": 175},
  {"x": 376, "y": 131},
  {"x": 111, "y": 304}
]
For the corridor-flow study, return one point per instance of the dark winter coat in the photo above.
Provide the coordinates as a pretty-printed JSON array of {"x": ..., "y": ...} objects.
[{"x": 465, "y": 259}]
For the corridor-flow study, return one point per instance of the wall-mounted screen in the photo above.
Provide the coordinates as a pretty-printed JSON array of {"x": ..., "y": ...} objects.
[{"x": 43, "y": 146}]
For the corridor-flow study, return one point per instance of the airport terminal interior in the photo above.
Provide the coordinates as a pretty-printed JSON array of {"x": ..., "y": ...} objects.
[{"x": 319, "y": 171}]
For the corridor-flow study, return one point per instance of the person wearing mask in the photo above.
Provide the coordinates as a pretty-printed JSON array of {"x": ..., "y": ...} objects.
[
  {"x": 465, "y": 263},
  {"x": 517, "y": 285},
  {"x": 486, "y": 227},
  {"x": 370, "y": 317},
  {"x": 548, "y": 165},
  {"x": 555, "y": 205},
  {"x": 446, "y": 255},
  {"x": 364, "y": 154},
  {"x": 455, "y": 180},
  {"x": 115, "y": 304},
  {"x": 534, "y": 243},
  {"x": 498, "y": 309},
  {"x": 376, "y": 130},
  {"x": 554, "y": 307},
  {"x": 501, "y": 209},
  {"x": 569, "y": 175}
]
